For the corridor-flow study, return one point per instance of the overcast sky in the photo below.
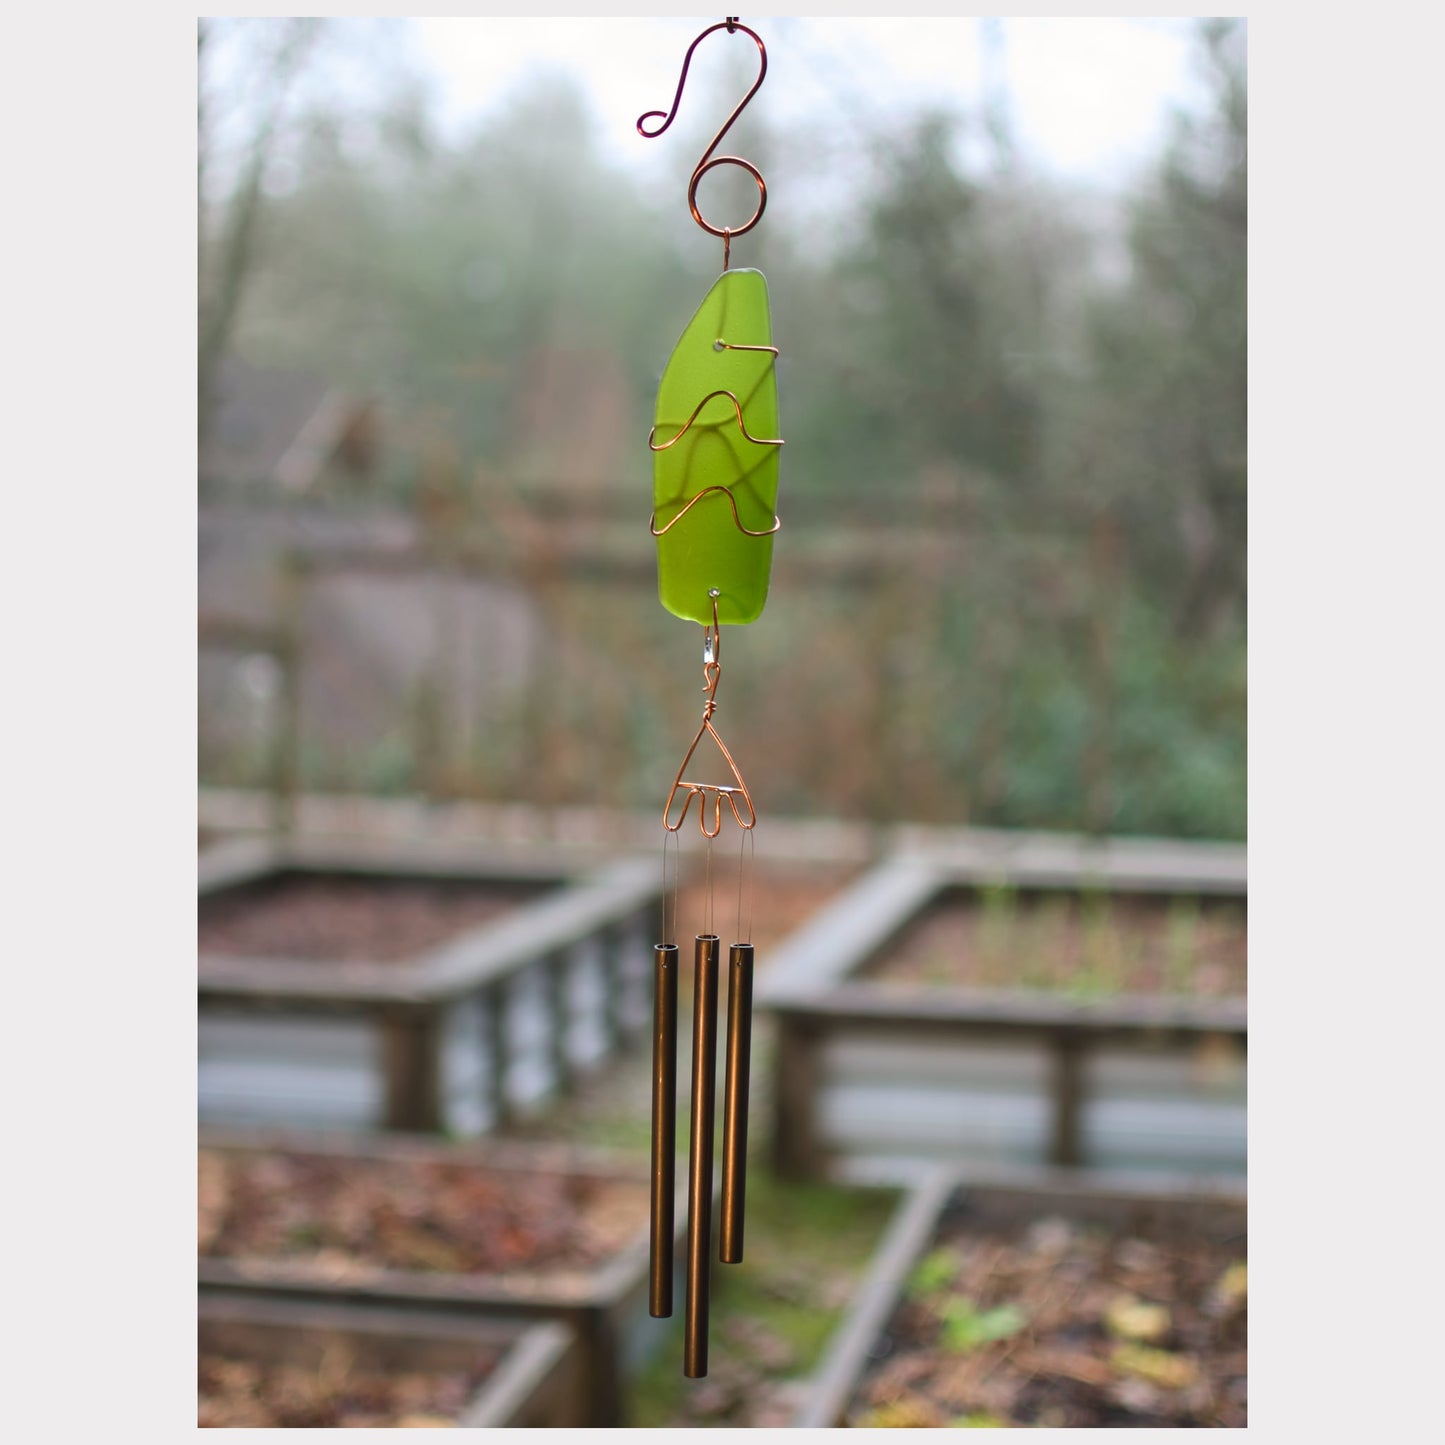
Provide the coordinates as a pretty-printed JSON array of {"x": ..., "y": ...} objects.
[
  {"x": 1088, "y": 101},
  {"x": 1088, "y": 98}
]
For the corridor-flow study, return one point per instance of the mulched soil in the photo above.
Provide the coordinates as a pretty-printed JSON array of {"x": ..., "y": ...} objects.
[
  {"x": 329, "y": 919},
  {"x": 1089, "y": 945},
  {"x": 238, "y": 1391},
  {"x": 350, "y": 1216},
  {"x": 1057, "y": 1323}
]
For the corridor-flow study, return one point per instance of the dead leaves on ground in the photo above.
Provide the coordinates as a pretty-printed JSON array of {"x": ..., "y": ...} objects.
[{"x": 1060, "y": 1324}]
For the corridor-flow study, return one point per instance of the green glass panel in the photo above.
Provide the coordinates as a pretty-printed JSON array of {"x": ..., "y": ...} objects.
[{"x": 706, "y": 549}]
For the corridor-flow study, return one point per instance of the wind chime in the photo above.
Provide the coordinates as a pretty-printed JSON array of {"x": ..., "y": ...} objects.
[{"x": 715, "y": 485}]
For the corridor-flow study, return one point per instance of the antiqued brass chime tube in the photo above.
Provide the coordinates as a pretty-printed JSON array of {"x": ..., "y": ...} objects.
[
  {"x": 664, "y": 1126},
  {"x": 735, "y": 1102},
  {"x": 699, "y": 1200}
]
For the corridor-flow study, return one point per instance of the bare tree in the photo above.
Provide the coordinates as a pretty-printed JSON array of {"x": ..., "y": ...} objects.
[{"x": 225, "y": 264}]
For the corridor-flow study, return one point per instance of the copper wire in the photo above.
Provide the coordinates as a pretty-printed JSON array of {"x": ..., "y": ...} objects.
[
  {"x": 712, "y": 673},
  {"x": 707, "y": 160},
  {"x": 687, "y": 425},
  {"x": 732, "y": 502},
  {"x": 670, "y": 895},
  {"x": 708, "y": 910},
  {"x": 721, "y": 345},
  {"x": 718, "y": 345},
  {"x": 747, "y": 846}
]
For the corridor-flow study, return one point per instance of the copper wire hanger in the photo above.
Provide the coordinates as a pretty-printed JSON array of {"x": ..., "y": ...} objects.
[
  {"x": 707, "y": 160},
  {"x": 712, "y": 672}
]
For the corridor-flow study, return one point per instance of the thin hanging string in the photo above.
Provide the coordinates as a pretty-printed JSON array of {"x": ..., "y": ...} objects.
[
  {"x": 708, "y": 915},
  {"x": 669, "y": 916},
  {"x": 747, "y": 862}
]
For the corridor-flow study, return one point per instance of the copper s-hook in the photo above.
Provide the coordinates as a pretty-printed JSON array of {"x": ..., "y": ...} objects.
[{"x": 708, "y": 161}]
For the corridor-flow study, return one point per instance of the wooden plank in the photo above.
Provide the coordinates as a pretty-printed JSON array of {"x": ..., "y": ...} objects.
[
  {"x": 539, "y": 1383},
  {"x": 881, "y": 1057},
  {"x": 558, "y": 921},
  {"x": 236, "y": 634},
  {"x": 846, "y": 931},
  {"x": 537, "y": 1380},
  {"x": 797, "y": 1093},
  {"x": 286, "y": 738},
  {"x": 1069, "y": 860},
  {"x": 1003, "y": 1195},
  {"x": 237, "y": 979},
  {"x": 847, "y": 1354},
  {"x": 1004, "y": 1192},
  {"x": 1211, "y": 1206},
  {"x": 602, "y": 1342},
  {"x": 871, "y": 1006},
  {"x": 1066, "y": 1095},
  {"x": 235, "y": 862},
  {"x": 612, "y": 939},
  {"x": 432, "y": 858},
  {"x": 411, "y": 1051},
  {"x": 519, "y": 1155},
  {"x": 492, "y": 950},
  {"x": 554, "y": 978},
  {"x": 495, "y": 1003},
  {"x": 597, "y": 1302}
]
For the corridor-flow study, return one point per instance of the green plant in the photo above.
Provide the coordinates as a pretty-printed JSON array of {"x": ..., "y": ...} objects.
[
  {"x": 998, "y": 908},
  {"x": 966, "y": 1327},
  {"x": 1181, "y": 947},
  {"x": 1102, "y": 961},
  {"x": 935, "y": 1271}
]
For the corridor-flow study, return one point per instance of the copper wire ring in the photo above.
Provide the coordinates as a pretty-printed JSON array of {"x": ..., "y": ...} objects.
[{"x": 727, "y": 233}]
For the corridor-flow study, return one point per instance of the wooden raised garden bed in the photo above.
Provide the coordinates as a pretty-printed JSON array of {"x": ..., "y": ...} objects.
[
  {"x": 417, "y": 989},
  {"x": 1024, "y": 999},
  {"x": 272, "y": 1363},
  {"x": 529, "y": 1232},
  {"x": 1072, "y": 1301}
]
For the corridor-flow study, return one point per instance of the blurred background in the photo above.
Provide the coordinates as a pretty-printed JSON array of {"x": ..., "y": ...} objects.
[
  {"x": 439, "y": 277},
  {"x": 440, "y": 274}
]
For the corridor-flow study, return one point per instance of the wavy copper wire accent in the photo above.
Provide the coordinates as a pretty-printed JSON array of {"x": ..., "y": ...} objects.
[
  {"x": 718, "y": 345},
  {"x": 687, "y": 425},
  {"x": 732, "y": 502}
]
